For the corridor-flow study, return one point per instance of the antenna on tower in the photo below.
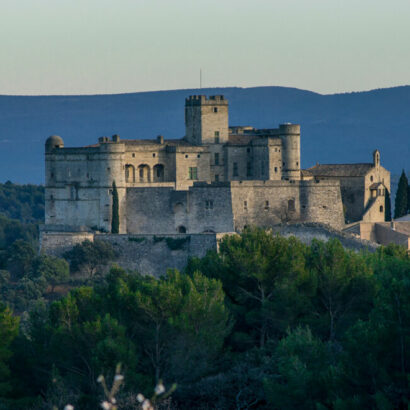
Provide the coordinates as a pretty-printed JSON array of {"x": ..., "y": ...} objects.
[{"x": 200, "y": 78}]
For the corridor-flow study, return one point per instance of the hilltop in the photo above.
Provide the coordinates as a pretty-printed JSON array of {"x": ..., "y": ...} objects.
[{"x": 335, "y": 128}]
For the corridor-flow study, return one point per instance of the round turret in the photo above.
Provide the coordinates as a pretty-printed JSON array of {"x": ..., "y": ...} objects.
[
  {"x": 290, "y": 136},
  {"x": 54, "y": 141}
]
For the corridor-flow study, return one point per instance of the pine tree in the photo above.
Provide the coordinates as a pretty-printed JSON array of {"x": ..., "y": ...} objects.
[
  {"x": 387, "y": 206},
  {"x": 401, "y": 202},
  {"x": 115, "y": 220}
]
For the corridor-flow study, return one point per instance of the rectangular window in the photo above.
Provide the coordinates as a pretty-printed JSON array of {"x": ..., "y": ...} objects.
[
  {"x": 291, "y": 205},
  {"x": 249, "y": 169},
  {"x": 215, "y": 109},
  {"x": 245, "y": 205},
  {"x": 216, "y": 158},
  {"x": 266, "y": 205},
  {"x": 209, "y": 204},
  {"x": 235, "y": 169},
  {"x": 216, "y": 178},
  {"x": 276, "y": 169},
  {"x": 193, "y": 173},
  {"x": 216, "y": 136}
]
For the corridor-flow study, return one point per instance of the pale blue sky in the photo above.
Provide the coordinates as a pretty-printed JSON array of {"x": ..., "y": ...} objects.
[{"x": 107, "y": 46}]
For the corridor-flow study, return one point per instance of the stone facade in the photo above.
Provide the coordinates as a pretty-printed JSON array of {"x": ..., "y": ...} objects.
[
  {"x": 363, "y": 187},
  {"x": 154, "y": 254},
  {"x": 215, "y": 179}
]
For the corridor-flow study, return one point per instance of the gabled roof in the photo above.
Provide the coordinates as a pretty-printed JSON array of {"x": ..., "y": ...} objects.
[{"x": 340, "y": 170}]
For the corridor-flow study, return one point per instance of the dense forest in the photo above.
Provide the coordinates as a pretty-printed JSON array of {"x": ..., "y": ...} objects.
[{"x": 265, "y": 323}]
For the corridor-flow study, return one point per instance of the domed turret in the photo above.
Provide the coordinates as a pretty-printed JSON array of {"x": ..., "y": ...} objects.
[{"x": 54, "y": 142}]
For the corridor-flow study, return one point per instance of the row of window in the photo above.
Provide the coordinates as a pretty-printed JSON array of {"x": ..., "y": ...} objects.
[
  {"x": 154, "y": 155},
  {"x": 249, "y": 169},
  {"x": 209, "y": 204}
]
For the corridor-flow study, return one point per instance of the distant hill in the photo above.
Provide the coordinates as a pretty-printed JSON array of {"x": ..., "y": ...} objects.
[{"x": 335, "y": 128}]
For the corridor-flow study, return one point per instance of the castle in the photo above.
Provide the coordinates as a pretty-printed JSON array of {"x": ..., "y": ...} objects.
[{"x": 215, "y": 179}]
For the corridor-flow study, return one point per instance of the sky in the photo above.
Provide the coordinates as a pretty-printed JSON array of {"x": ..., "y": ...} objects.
[{"x": 120, "y": 46}]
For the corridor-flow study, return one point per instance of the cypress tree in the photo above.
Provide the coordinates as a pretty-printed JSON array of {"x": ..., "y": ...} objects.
[
  {"x": 408, "y": 199},
  {"x": 387, "y": 206},
  {"x": 115, "y": 219},
  {"x": 401, "y": 202}
]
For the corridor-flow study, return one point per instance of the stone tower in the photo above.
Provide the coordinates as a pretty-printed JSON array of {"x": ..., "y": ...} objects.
[
  {"x": 206, "y": 119},
  {"x": 290, "y": 136}
]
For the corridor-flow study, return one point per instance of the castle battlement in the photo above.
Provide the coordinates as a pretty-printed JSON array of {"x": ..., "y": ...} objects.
[
  {"x": 204, "y": 100},
  {"x": 213, "y": 179}
]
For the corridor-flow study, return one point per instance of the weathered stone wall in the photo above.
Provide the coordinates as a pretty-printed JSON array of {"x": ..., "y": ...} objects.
[
  {"x": 166, "y": 211},
  {"x": 205, "y": 116},
  {"x": 226, "y": 207},
  {"x": 153, "y": 255},
  {"x": 306, "y": 232},
  {"x": 79, "y": 182},
  {"x": 267, "y": 203},
  {"x": 56, "y": 243},
  {"x": 187, "y": 158}
]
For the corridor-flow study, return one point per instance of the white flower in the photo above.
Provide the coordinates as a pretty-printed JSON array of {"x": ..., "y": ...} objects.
[
  {"x": 69, "y": 407},
  {"x": 100, "y": 378},
  {"x": 140, "y": 398},
  {"x": 113, "y": 401},
  {"x": 146, "y": 405},
  {"x": 118, "y": 378},
  {"x": 159, "y": 388},
  {"x": 105, "y": 405}
]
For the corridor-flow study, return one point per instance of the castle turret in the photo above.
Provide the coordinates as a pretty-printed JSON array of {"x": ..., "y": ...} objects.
[
  {"x": 290, "y": 136},
  {"x": 111, "y": 169},
  {"x": 206, "y": 119}
]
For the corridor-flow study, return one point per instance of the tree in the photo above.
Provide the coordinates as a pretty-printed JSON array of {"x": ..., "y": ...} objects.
[
  {"x": 115, "y": 221},
  {"x": 303, "y": 373},
  {"x": 90, "y": 256},
  {"x": 53, "y": 270},
  {"x": 387, "y": 206},
  {"x": 19, "y": 258},
  {"x": 344, "y": 287},
  {"x": 8, "y": 331},
  {"x": 377, "y": 362},
  {"x": 265, "y": 280},
  {"x": 183, "y": 324},
  {"x": 401, "y": 203},
  {"x": 408, "y": 199}
]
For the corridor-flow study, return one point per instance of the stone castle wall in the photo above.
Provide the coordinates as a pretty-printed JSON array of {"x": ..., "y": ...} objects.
[
  {"x": 226, "y": 207},
  {"x": 154, "y": 254}
]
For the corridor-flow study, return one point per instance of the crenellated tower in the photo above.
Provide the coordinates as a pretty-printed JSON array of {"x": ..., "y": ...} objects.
[{"x": 206, "y": 119}]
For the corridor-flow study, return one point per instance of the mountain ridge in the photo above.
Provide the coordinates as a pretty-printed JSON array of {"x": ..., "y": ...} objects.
[{"x": 336, "y": 128}]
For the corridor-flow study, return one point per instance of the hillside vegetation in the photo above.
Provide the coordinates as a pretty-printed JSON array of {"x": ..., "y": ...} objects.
[{"x": 266, "y": 323}]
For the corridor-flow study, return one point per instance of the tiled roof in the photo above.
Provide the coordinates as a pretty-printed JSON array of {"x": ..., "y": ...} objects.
[
  {"x": 306, "y": 173},
  {"x": 340, "y": 170},
  {"x": 240, "y": 139}
]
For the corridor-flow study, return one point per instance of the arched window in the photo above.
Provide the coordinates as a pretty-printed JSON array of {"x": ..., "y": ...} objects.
[
  {"x": 158, "y": 173},
  {"x": 144, "y": 173},
  {"x": 129, "y": 173},
  {"x": 381, "y": 208},
  {"x": 181, "y": 229}
]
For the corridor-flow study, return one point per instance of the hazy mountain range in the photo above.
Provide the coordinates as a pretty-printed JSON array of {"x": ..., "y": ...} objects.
[{"x": 337, "y": 128}]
